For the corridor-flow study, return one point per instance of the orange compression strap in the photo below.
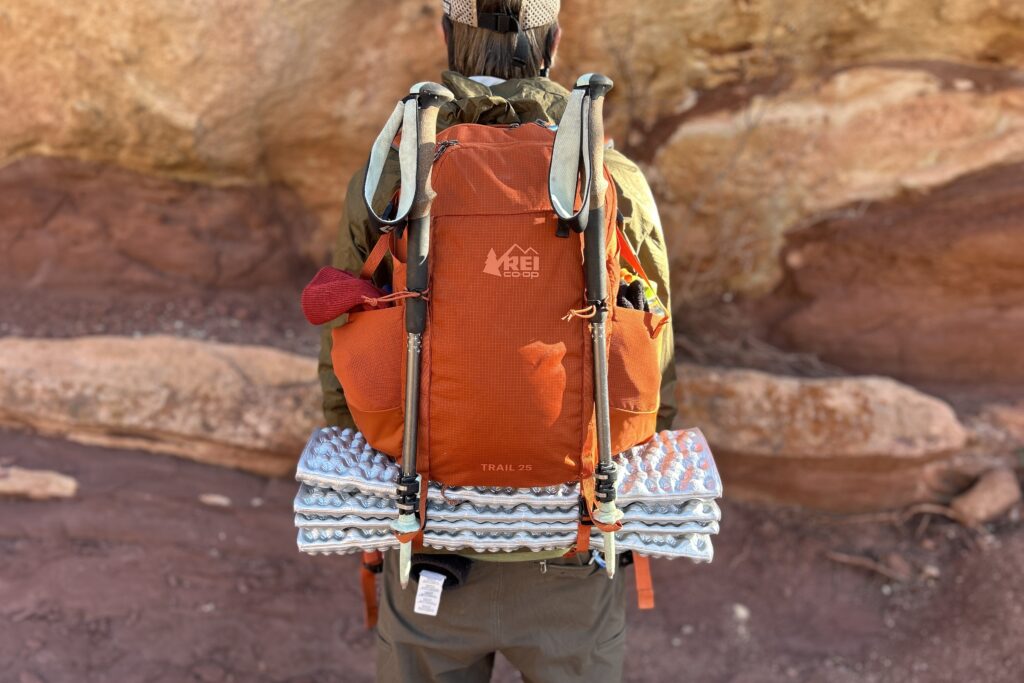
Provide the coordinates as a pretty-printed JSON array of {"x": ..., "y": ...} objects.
[
  {"x": 582, "y": 544},
  {"x": 644, "y": 583},
  {"x": 583, "y": 538},
  {"x": 373, "y": 563},
  {"x": 376, "y": 255}
]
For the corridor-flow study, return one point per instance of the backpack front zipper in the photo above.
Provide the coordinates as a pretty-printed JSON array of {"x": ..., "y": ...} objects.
[{"x": 442, "y": 146}]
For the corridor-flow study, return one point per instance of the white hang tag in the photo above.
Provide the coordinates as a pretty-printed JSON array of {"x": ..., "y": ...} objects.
[{"x": 428, "y": 594}]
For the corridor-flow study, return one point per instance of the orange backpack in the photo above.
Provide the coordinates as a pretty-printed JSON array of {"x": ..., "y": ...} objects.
[{"x": 506, "y": 389}]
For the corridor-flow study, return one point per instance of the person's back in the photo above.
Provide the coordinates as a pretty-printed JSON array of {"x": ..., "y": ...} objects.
[{"x": 555, "y": 616}]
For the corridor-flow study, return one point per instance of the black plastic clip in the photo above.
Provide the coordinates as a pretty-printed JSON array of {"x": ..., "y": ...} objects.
[
  {"x": 605, "y": 482},
  {"x": 585, "y": 519},
  {"x": 500, "y": 22},
  {"x": 567, "y": 224},
  {"x": 407, "y": 491},
  {"x": 563, "y": 228}
]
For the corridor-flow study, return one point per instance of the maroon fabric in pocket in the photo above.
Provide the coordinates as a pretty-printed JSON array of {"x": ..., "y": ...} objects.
[{"x": 333, "y": 292}]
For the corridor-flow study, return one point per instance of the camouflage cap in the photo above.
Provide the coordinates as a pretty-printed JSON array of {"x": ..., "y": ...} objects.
[{"x": 532, "y": 13}]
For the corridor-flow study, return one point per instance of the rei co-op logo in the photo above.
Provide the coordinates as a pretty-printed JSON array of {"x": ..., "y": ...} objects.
[{"x": 516, "y": 262}]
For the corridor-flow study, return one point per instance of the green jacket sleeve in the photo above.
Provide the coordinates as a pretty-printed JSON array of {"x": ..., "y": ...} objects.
[{"x": 643, "y": 229}]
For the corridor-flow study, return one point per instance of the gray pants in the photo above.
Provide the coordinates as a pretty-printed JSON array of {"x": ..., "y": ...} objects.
[{"x": 565, "y": 624}]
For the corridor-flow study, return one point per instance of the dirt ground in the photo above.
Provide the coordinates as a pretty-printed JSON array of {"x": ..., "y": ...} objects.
[{"x": 135, "y": 580}]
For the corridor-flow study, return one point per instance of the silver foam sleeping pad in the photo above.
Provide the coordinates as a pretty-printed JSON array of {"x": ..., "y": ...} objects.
[
  {"x": 479, "y": 527},
  {"x": 341, "y": 541},
  {"x": 674, "y": 466},
  {"x": 349, "y": 540},
  {"x": 696, "y": 547},
  {"x": 666, "y": 488},
  {"x": 446, "y": 525},
  {"x": 315, "y": 502},
  {"x": 341, "y": 460}
]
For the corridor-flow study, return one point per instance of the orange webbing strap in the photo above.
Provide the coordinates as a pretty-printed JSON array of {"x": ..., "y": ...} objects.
[
  {"x": 583, "y": 538},
  {"x": 373, "y": 563},
  {"x": 376, "y": 255},
  {"x": 644, "y": 584},
  {"x": 582, "y": 542}
]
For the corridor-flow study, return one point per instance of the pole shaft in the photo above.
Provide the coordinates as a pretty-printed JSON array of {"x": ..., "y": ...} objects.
[
  {"x": 410, "y": 435},
  {"x": 604, "y": 428}
]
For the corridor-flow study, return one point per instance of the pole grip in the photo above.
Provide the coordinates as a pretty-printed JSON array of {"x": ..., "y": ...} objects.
[
  {"x": 429, "y": 97},
  {"x": 426, "y": 130},
  {"x": 417, "y": 274},
  {"x": 596, "y": 235},
  {"x": 599, "y": 86},
  {"x": 594, "y": 261}
]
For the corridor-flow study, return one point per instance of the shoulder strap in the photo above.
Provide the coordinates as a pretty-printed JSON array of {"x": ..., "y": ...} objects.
[
  {"x": 629, "y": 254},
  {"x": 376, "y": 255},
  {"x": 625, "y": 248}
]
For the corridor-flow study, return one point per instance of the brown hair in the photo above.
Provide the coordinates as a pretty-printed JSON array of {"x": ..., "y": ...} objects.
[{"x": 476, "y": 51}]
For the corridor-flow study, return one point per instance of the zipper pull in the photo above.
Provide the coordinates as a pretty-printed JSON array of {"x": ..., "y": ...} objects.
[{"x": 442, "y": 146}]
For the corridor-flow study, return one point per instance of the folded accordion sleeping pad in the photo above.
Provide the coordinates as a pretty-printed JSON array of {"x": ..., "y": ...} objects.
[{"x": 667, "y": 488}]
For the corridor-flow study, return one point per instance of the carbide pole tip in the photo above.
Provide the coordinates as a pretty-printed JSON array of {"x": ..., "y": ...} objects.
[
  {"x": 404, "y": 563},
  {"x": 610, "y": 558}
]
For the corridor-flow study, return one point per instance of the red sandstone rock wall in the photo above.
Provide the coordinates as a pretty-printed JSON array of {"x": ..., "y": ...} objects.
[{"x": 849, "y": 171}]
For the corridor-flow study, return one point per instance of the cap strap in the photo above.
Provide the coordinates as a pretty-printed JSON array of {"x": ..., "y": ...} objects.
[{"x": 500, "y": 22}]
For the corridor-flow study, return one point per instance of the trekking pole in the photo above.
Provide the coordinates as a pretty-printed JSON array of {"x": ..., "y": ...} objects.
[
  {"x": 579, "y": 145},
  {"x": 594, "y": 245},
  {"x": 428, "y": 97}
]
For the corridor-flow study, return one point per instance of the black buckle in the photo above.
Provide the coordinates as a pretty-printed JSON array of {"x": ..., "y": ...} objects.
[
  {"x": 567, "y": 224},
  {"x": 375, "y": 568}
]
